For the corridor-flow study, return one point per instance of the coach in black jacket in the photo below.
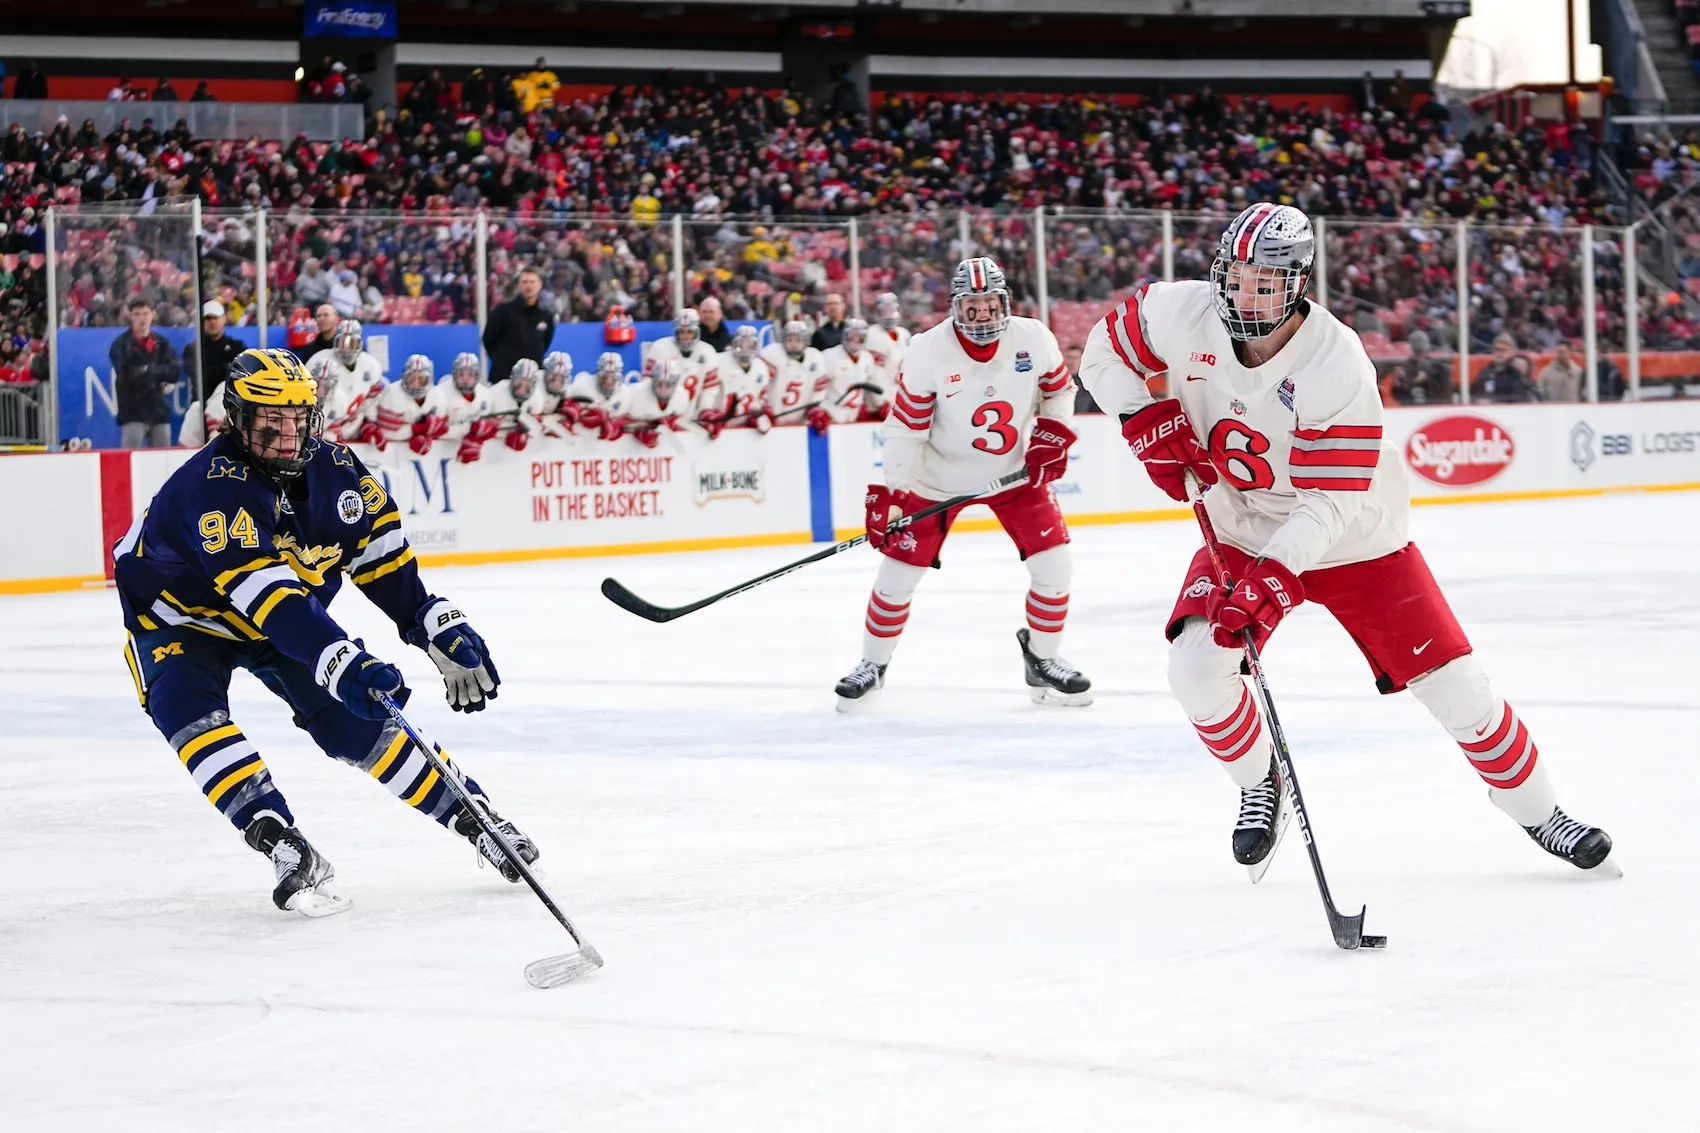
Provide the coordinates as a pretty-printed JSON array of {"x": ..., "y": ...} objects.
[
  {"x": 145, "y": 370},
  {"x": 518, "y": 328}
]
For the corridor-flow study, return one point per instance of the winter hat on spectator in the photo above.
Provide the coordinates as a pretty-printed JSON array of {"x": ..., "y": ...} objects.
[{"x": 212, "y": 309}]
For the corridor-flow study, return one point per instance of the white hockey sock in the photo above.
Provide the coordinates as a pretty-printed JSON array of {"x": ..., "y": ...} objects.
[
  {"x": 1206, "y": 679},
  {"x": 1051, "y": 572},
  {"x": 888, "y": 609},
  {"x": 1495, "y": 741}
]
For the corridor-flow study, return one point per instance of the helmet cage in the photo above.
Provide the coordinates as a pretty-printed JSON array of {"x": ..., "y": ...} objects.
[{"x": 1273, "y": 245}]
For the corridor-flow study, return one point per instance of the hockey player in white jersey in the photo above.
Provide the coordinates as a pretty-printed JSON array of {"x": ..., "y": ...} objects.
[
  {"x": 981, "y": 395},
  {"x": 743, "y": 383},
  {"x": 555, "y": 409},
  {"x": 852, "y": 379},
  {"x": 464, "y": 400},
  {"x": 347, "y": 376},
  {"x": 513, "y": 405},
  {"x": 643, "y": 408},
  {"x": 888, "y": 340},
  {"x": 696, "y": 358},
  {"x": 1274, "y": 402},
  {"x": 592, "y": 395},
  {"x": 799, "y": 379},
  {"x": 407, "y": 410}
]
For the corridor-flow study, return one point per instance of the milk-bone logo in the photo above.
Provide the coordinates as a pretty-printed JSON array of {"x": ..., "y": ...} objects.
[{"x": 1459, "y": 450}]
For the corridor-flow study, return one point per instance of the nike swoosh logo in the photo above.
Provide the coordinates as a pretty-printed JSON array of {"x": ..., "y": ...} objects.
[
  {"x": 1195, "y": 377},
  {"x": 1418, "y": 649},
  {"x": 953, "y": 393},
  {"x": 1046, "y": 532}
]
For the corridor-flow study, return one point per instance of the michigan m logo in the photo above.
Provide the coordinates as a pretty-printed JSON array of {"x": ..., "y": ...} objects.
[{"x": 169, "y": 649}]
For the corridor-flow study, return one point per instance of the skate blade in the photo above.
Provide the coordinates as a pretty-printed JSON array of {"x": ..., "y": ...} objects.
[
  {"x": 318, "y": 903},
  {"x": 855, "y": 704},
  {"x": 1257, "y": 869},
  {"x": 553, "y": 971},
  {"x": 1607, "y": 870},
  {"x": 1044, "y": 694}
]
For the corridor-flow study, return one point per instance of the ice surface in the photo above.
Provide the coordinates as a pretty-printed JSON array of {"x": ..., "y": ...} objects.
[{"x": 956, "y": 912}]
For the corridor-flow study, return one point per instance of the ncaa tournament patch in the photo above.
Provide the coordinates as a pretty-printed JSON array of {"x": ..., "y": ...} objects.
[
  {"x": 350, "y": 507},
  {"x": 1023, "y": 361},
  {"x": 1285, "y": 393}
]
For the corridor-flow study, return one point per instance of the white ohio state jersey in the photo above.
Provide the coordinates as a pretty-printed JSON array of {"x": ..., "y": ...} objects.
[
  {"x": 395, "y": 410},
  {"x": 697, "y": 365},
  {"x": 842, "y": 372},
  {"x": 795, "y": 382},
  {"x": 460, "y": 409},
  {"x": 888, "y": 348},
  {"x": 637, "y": 401},
  {"x": 509, "y": 411},
  {"x": 745, "y": 391},
  {"x": 343, "y": 391},
  {"x": 958, "y": 423},
  {"x": 1305, "y": 477},
  {"x": 583, "y": 390}
]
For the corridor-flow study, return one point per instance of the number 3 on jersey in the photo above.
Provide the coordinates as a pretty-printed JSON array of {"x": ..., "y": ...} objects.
[
  {"x": 1242, "y": 466},
  {"x": 995, "y": 418}
]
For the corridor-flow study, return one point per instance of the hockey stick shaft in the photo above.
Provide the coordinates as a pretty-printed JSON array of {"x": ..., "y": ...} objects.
[
  {"x": 1347, "y": 930},
  {"x": 631, "y": 603},
  {"x": 451, "y": 779}
]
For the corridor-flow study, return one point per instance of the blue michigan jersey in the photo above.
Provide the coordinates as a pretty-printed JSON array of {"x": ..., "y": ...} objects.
[{"x": 222, "y": 551}]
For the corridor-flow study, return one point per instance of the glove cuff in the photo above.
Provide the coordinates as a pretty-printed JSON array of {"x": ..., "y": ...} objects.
[
  {"x": 334, "y": 660},
  {"x": 1275, "y": 570},
  {"x": 436, "y": 616},
  {"x": 1138, "y": 428}
]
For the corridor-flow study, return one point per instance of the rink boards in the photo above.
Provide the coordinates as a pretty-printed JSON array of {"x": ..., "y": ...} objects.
[{"x": 583, "y": 496}]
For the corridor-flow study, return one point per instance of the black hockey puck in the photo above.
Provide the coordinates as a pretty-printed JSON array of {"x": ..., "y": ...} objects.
[{"x": 1372, "y": 942}]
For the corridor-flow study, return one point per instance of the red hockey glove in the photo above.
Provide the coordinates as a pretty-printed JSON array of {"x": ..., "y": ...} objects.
[
  {"x": 885, "y": 507},
  {"x": 1161, "y": 436},
  {"x": 419, "y": 442},
  {"x": 482, "y": 429},
  {"x": 470, "y": 450},
  {"x": 1047, "y": 450},
  {"x": 819, "y": 419},
  {"x": 672, "y": 422},
  {"x": 612, "y": 428},
  {"x": 1257, "y": 602},
  {"x": 517, "y": 439},
  {"x": 372, "y": 435},
  {"x": 712, "y": 421},
  {"x": 572, "y": 413}
]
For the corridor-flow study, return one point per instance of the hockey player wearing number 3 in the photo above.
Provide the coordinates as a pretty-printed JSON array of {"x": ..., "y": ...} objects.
[
  {"x": 232, "y": 566},
  {"x": 980, "y": 395},
  {"x": 1275, "y": 404}
]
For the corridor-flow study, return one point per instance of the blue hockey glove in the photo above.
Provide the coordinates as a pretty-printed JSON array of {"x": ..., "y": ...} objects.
[
  {"x": 469, "y": 676},
  {"x": 352, "y": 675}
]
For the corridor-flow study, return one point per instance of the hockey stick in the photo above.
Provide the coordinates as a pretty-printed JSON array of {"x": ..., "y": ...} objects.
[
  {"x": 1348, "y": 931},
  {"x": 551, "y": 971},
  {"x": 631, "y": 603}
]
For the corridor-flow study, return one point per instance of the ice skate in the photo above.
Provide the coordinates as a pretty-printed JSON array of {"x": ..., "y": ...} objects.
[
  {"x": 304, "y": 875},
  {"x": 857, "y": 689},
  {"x": 1051, "y": 680},
  {"x": 1263, "y": 818},
  {"x": 1583, "y": 846},
  {"x": 489, "y": 849}
]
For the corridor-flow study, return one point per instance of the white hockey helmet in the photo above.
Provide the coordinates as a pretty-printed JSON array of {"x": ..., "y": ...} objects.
[
  {"x": 418, "y": 375},
  {"x": 522, "y": 379},
  {"x": 979, "y": 300},
  {"x": 557, "y": 372},
  {"x": 350, "y": 340},
  {"x": 687, "y": 322},
  {"x": 795, "y": 337},
  {"x": 887, "y": 311},
  {"x": 610, "y": 372},
  {"x": 1262, "y": 267},
  {"x": 855, "y": 336},
  {"x": 316, "y": 370},
  {"x": 746, "y": 344},
  {"x": 466, "y": 372},
  {"x": 665, "y": 379}
]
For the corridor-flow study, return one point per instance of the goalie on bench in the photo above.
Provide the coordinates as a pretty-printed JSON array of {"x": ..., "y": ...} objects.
[{"x": 980, "y": 395}]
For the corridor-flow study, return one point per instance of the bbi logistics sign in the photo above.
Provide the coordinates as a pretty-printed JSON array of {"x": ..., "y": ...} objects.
[{"x": 349, "y": 19}]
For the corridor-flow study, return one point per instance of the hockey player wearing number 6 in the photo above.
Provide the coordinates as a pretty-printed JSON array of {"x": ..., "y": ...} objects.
[
  {"x": 1274, "y": 402},
  {"x": 232, "y": 567},
  {"x": 980, "y": 395}
]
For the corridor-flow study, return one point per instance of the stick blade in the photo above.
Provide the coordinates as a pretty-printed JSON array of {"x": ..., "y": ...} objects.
[
  {"x": 1349, "y": 932},
  {"x": 553, "y": 971},
  {"x": 632, "y": 604}
]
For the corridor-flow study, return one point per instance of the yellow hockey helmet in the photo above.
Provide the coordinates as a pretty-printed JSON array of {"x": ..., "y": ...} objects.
[{"x": 272, "y": 409}]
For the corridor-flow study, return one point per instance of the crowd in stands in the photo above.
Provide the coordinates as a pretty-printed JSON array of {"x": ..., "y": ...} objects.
[{"x": 583, "y": 186}]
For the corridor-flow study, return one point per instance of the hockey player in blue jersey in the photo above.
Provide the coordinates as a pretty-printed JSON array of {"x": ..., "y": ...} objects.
[{"x": 233, "y": 565}]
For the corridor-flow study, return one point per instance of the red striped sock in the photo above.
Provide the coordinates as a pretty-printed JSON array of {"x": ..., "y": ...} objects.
[
  {"x": 1235, "y": 734},
  {"x": 885, "y": 619},
  {"x": 1502, "y": 751},
  {"x": 1046, "y": 615}
]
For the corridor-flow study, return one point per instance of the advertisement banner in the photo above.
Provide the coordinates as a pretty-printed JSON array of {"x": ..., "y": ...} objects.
[{"x": 349, "y": 19}]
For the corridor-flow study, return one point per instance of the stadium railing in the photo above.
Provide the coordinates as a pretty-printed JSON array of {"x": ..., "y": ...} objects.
[{"x": 208, "y": 121}]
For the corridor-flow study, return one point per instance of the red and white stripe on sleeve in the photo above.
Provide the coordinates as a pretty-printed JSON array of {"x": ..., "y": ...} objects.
[
  {"x": 1056, "y": 381},
  {"x": 1340, "y": 459},
  {"x": 912, "y": 410},
  {"x": 1128, "y": 337}
]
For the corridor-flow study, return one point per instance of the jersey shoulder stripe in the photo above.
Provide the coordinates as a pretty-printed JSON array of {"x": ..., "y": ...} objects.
[{"x": 1127, "y": 335}]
